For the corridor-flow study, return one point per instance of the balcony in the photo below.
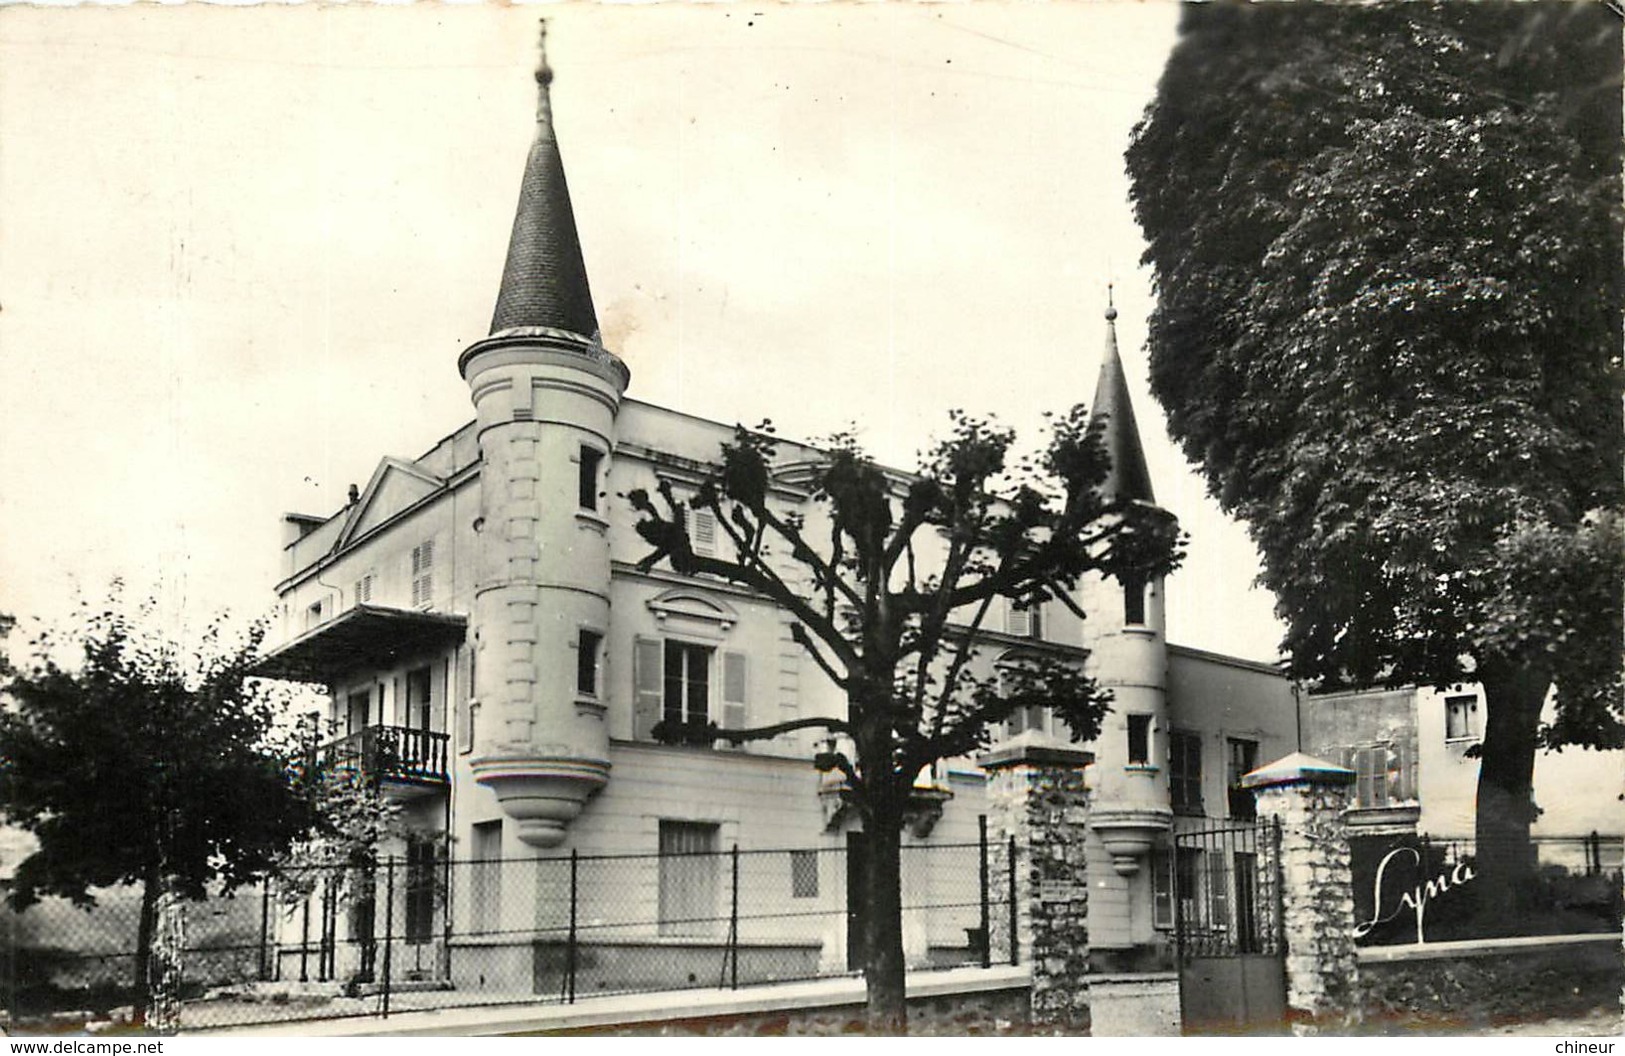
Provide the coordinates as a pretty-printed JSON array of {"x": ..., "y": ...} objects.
[{"x": 399, "y": 759}]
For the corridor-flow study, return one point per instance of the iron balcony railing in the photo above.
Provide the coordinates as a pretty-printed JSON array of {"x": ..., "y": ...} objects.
[{"x": 388, "y": 753}]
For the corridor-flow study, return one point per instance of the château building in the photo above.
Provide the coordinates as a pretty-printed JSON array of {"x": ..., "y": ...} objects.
[{"x": 496, "y": 659}]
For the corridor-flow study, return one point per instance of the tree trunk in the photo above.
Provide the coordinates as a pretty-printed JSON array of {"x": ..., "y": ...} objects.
[
  {"x": 150, "y": 887},
  {"x": 1505, "y": 855},
  {"x": 164, "y": 975},
  {"x": 883, "y": 968}
]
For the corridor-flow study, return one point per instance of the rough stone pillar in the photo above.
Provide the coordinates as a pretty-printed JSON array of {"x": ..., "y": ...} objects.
[
  {"x": 1308, "y": 797},
  {"x": 1036, "y": 793}
]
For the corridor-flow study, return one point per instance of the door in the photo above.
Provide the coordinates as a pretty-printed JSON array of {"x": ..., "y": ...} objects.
[
  {"x": 1232, "y": 957},
  {"x": 355, "y": 712}
]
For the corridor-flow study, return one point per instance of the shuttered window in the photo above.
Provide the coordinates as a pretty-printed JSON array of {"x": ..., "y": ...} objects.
[
  {"x": 675, "y": 681},
  {"x": 1384, "y": 774},
  {"x": 1162, "y": 889},
  {"x": 702, "y": 532},
  {"x": 1461, "y": 718},
  {"x": 648, "y": 696},
  {"x": 1024, "y": 621},
  {"x": 423, "y": 574},
  {"x": 687, "y": 690},
  {"x": 1185, "y": 772},
  {"x": 734, "y": 710}
]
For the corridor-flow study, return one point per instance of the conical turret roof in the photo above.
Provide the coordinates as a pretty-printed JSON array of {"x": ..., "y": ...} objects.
[
  {"x": 544, "y": 282},
  {"x": 1128, "y": 478}
]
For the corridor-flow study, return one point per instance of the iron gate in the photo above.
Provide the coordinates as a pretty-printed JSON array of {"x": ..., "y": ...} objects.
[{"x": 1227, "y": 922}]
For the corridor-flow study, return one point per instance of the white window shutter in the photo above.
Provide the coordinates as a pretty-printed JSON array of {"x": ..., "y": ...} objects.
[
  {"x": 422, "y": 574},
  {"x": 648, "y": 686},
  {"x": 735, "y": 712},
  {"x": 1018, "y": 621},
  {"x": 702, "y": 531}
]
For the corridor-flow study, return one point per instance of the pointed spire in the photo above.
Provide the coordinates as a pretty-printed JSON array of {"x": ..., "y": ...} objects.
[
  {"x": 544, "y": 283},
  {"x": 1129, "y": 477}
]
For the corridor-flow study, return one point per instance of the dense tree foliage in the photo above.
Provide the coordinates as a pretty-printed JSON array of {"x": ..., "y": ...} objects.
[
  {"x": 889, "y": 579},
  {"x": 1387, "y": 252},
  {"x": 145, "y": 764}
]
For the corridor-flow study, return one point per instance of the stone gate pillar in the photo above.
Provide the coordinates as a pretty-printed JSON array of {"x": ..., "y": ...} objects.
[
  {"x": 1308, "y": 797},
  {"x": 1036, "y": 794}
]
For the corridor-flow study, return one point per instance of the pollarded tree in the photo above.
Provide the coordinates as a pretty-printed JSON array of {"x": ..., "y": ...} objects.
[
  {"x": 889, "y": 579},
  {"x": 1387, "y": 254},
  {"x": 146, "y": 764}
]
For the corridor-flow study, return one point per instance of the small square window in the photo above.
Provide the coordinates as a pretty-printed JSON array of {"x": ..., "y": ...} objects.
[
  {"x": 1461, "y": 717},
  {"x": 804, "y": 874},
  {"x": 587, "y": 662}
]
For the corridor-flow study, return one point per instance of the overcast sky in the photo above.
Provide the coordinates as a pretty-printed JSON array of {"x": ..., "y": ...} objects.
[{"x": 241, "y": 249}]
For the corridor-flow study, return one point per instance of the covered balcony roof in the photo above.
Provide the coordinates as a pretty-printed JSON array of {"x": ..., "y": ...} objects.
[{"x": 366, "y": 636}]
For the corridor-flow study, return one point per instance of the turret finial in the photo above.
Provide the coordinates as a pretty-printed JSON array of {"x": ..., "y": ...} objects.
[
  {"x": 1111, "y": 309},
  {"x": 544, "y": 77},
  {"x": 544, "y": 72}
]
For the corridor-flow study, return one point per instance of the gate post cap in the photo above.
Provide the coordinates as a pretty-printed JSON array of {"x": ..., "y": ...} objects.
[{"x": 1298, "y": 768}]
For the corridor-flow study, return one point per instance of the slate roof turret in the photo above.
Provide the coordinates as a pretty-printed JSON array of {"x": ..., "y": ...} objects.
[
  {"x": 1129, "y": 477},
  {"x": 544, "y": 282}
]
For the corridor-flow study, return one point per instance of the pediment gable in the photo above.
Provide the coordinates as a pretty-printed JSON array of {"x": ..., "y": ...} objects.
[{"x": 395, "y": 486}]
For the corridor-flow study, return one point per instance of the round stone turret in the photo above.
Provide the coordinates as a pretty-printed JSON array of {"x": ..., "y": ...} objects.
[{"x": 546, "y": 394}]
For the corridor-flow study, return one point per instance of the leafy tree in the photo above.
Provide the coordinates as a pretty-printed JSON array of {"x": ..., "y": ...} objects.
[
  {"x": 352, "y": 819},
  {"x": 1387, "y": 253},
  {"x": 145, "y": 764},
  {"x": 889, "y": 578},
  {"x": 338, "y": 856}
]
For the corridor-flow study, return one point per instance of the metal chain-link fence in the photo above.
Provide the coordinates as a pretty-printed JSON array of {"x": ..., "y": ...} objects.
[{"x": 420, "y": 930}]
